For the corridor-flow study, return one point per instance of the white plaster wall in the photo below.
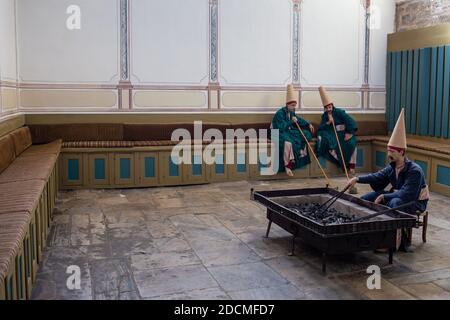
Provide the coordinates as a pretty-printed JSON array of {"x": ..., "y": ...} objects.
[
  {"x": 382, "y": 23},
  {"x": 7, "y": 41},
  {"x": 170, "y": 41},
  {"x": 51, "y": 53},
  {"x": 169, "y": 49},
  {"x": 332, "y": 43},
  {"x": 255, "y": 40}
]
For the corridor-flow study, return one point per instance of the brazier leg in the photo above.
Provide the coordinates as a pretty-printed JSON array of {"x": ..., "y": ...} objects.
[
  {"x": 292, "y": 247},
  {"x": 324, "y": 263},
  {"x": 268, "y": 228},
  {"x": 391, "y": 255}
]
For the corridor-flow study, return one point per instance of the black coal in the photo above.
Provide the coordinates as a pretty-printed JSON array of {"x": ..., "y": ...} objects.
[{"x": 314, "y": 212}]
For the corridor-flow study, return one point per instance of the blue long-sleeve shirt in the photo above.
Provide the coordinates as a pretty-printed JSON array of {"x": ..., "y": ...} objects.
[{"x": 407, "y": 186}]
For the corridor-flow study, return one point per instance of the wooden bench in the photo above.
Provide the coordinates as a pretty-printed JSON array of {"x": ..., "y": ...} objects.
[
  {"x": 28, "y": 190},
  {"x": 95, "y": 155}
]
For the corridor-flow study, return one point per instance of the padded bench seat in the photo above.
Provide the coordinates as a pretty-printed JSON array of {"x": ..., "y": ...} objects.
[
  {"x": 29, "y": 168},
  {"x": 16, "y": 223},
  {"x": 42, "y": 149},
  {"x": 28, "y": 187},
  {"x": 20, "y": 196},
  {"x": 121, "y": 144},
  {"x": 13, "y": 229},
  {"x": 7, "y": 254}
]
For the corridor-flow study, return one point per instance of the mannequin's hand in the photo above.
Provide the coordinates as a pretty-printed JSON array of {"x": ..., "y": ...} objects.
[
  {"x": 330, "y": 119},
  {"x": 380, "y": 199},
  {"x": 352, "y": 182}
]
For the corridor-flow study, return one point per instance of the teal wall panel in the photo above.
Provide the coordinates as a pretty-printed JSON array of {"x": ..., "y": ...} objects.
[
  {"x": 423, "y": 165},
  {"x": 407, "y": 104},
  {"x": 433, "y": 84},
  {"x": 196, "y": 165},
  {"x": 446, "y": 95},
  {"x": 125, "y": 168},
  {"x": 262, "y": 163},
  {"x": 415, "y": 82},
  {"x": 398, "y": 85},
  {"x": 173, "y": 168},
  {"x": 443, "y": 175},
  {"x": 359, "y": 158},
  {"x": 424, "y": 90},
  {"x": 380, "y": 159},
  {"x": 241, "y": 167},
  {"x": 219, "y": 167},
  {"x": 439, "y": 90},
  {"x": 403, "y": 80},
  {"x": 100, "y": 169},
  {"x": 149, "y": 167},
  {"x": 323, "y": 162},
  {"x": 419, "y": 81},
  {"x": 73, "y": 168}
]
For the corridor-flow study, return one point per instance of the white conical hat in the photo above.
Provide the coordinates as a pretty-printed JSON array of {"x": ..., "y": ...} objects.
[
  {"x": 290, "y": 94},
  {"x": 324, "y": 96},
  {"x": 398, "y": 136}
]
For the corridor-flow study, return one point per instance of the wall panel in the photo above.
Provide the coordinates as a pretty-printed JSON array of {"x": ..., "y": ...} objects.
[
  {"x": 160, "y": 56},
  {"x": 8, "y": 70},
  {"x": 382, "y": 15},
  {"x": 65, "y": 100},
  {"x": 49, "y": 52},
  {"x": 255, "y": 42},
  {"x": 169, "y": 41},
  {"x": 170, "y": 99},
  {"x": 335, "y": 43}
]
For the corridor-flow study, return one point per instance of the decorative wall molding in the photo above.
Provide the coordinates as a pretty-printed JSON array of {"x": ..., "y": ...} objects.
[
  {"x": 367, "y": 42},
  {"x": 8, "y": 84},
  {"x": 124, "y": 40},
  {"x": 187, "y": 99},
  {"x": 214, "y": 40},
  {"x": 65, "y": 100},
  {"x": 127, "y": 84},
  {"x": 295, "y": 42}
]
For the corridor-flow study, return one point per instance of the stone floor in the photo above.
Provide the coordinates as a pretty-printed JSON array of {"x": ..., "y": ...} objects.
[{"x": 205, "y": 242}]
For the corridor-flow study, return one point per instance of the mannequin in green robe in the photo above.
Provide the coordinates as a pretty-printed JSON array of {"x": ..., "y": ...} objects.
[
  {"x": 293, "y": 150},
  {"x": 284, "y": 121},
  {"x": 327, "y": 145}
]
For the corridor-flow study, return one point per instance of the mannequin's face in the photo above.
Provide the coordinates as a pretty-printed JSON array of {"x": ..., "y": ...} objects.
[
  {"x": 395, "y": 156},
  {"x": 291, "y": 106},
  {"x": 329, "y": 108}
]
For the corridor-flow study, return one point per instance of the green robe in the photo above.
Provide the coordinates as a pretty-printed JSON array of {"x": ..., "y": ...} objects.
[
  {"x": 327, "y": 138},
  {"x": 288, "y": 131}
]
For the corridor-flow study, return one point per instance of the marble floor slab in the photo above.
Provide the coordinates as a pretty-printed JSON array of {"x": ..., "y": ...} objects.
[{"x": 206, "y": 242}]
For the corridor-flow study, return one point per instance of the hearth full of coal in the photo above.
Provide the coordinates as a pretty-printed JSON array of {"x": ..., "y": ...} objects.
[
  {"x": 350, "y": 224},
  {"x": 320, "y": 213}
]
